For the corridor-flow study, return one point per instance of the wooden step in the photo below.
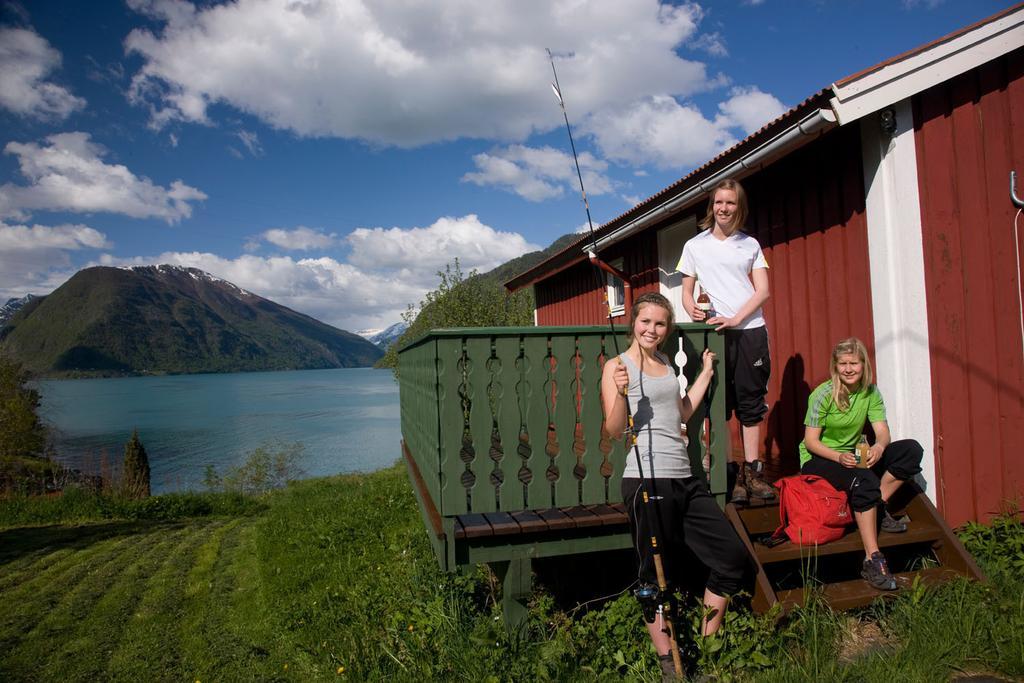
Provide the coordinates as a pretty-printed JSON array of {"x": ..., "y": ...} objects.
[
  {"x": 918, "y": 531},
  {"x": 926, "y": 528},
  {"x": 857, "y": 592}
]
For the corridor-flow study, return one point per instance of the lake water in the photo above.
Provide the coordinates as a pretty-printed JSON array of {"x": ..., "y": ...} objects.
[{"x": 346, "y": 419}]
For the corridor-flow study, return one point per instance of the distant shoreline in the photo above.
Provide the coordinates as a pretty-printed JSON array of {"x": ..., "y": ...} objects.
[{"x": 101, "y": 374}]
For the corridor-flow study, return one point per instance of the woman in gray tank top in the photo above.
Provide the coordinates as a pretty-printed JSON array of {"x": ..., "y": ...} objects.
[{"x": 688, "y": 517}]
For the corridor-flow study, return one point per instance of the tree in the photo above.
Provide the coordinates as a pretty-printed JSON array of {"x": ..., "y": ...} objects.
[
  {"x": 136, "y": 468},
  {"x": 21, "y": 431},
  {"x": 458, "y": 301}
]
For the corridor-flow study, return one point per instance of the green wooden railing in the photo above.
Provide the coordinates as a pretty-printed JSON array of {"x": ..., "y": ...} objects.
[{"x": 507, "y": 419}]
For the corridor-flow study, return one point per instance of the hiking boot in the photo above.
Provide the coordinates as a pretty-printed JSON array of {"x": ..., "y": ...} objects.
[
  {"x": 890, "y": 524},
  {"x": 739, "y": 489},
  {"x": 757, "y": 487},
  {"x": 668, "y": 669},
  {"x": 876, "y": 572}
]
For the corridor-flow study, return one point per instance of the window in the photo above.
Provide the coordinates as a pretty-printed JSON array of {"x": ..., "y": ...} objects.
[{"x": 616, "y": 290}]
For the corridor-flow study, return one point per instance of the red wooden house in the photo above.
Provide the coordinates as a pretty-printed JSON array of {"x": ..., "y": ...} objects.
[{"x": 882, "y": 203}]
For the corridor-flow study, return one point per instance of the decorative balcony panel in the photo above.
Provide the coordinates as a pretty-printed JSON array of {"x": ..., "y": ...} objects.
[{"x": 509, "y": 419}]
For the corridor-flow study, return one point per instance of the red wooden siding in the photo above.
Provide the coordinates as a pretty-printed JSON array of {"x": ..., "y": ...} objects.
[
  {"x": 969, "y": 134},
  {"x": 574, "y": 296},
  {"x": 807, "y": 211}
]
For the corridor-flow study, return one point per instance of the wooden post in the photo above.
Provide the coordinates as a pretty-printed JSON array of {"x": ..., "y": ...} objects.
[{"x": 516, "y": 578}]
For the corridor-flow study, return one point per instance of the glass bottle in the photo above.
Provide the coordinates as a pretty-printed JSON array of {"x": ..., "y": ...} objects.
[
  {"x": 704, "y": 303},
  {"x": 862, "y": 451}
]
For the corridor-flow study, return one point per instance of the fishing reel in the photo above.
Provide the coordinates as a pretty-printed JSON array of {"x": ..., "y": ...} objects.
[{"x": 651, "y": 600}]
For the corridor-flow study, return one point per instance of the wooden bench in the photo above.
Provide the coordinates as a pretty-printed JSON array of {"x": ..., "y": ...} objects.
[
  {"x": 927, "y": 541},
  {"x": 509, "y": 541}
]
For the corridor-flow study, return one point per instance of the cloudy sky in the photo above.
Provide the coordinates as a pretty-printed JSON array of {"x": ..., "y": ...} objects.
[{"x": 333, "y": 155}]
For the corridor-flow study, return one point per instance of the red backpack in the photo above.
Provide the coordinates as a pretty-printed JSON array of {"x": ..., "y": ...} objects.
[{"x": 811, "y": 511}]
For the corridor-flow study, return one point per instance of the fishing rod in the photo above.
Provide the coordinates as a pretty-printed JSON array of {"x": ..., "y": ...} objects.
[{"x": 647, "y": 597}]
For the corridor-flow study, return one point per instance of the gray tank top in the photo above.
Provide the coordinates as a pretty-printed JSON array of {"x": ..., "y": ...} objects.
[{"x": 657, "y": 421}]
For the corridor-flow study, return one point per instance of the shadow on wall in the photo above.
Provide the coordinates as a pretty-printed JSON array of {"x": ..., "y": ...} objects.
[{"x": 785, "y": 419}]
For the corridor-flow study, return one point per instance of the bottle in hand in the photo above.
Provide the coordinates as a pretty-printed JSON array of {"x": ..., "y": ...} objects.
[
  {"x": 704, "y": 303},
  {"x": 862, "y": 451}
]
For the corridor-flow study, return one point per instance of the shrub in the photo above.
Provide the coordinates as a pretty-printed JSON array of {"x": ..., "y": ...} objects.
[
  {"x": 136, "y": 468},
  {"x": 270, "y": 466},
  {"x": 21, "y": 431}
]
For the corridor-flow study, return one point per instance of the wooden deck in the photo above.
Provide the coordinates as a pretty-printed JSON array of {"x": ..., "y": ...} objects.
[{"x": 503, "y": 440}]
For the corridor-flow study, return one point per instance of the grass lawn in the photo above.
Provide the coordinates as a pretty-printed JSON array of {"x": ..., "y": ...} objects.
[{"x": 333, "y": 579}]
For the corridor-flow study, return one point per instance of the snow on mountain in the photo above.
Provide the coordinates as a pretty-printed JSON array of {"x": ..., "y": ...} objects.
[
  {"x": 386, "y": 337},
  {"x": 13, "y": 306}
]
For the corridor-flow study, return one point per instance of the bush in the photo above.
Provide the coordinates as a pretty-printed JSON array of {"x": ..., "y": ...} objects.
[
  {"x": 461, "y": 301},
  {"x": 135, "y": 477},
  {"x": 998, "y": 546},
  {"x": 269, "y": 467},
  {"x": 21, "y": 432}
]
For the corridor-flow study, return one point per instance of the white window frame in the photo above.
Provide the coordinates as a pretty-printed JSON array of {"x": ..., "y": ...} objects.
[{"x": 616, "y": 289}]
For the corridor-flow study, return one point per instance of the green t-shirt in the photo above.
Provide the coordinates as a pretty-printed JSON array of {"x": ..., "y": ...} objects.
[{"x": 841, "y": 430}]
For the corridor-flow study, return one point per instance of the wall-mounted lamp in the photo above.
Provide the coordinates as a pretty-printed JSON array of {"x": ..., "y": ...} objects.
[{"x": 887, "y": 121}]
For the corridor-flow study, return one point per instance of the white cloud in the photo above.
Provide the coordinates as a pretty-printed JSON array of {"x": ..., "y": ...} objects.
[
  {"x": 420, "y": 252},
  {"x": 69, "y": 174},
  {"x": 34, "y": 259},
  {"x": 668, "y": 134},
  {"x": 712, "y": 43},
  {"x": 26, "y": 59},
  {"x": 299, "y": 239},
  {"x": 388, "y": 269},
  {"x": 659, "y": 131},
  {"x": 251, "y": 141},
  {"x": 407, "y": 74},
  {"x": 538, "y": 173},
  {"x": 28, "y": 238},
  {"x": 749, "y": 108}
]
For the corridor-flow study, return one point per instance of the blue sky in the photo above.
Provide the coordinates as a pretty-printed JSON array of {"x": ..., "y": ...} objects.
[{"x": 332, "y": 155}]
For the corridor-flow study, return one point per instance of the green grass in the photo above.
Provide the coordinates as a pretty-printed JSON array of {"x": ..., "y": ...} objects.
[{"x": 333, "y": 579}]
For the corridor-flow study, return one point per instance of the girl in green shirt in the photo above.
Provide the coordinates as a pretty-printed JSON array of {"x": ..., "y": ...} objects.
[{"x": 837, "y": 412}]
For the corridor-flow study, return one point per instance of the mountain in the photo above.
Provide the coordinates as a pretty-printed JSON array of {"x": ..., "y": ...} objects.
[
  {"x": 170, "y": 319},
  {"x": 386, "y": 337},
  {"x": 12, "y": 306},
  {"x": 508, "y": 270}
]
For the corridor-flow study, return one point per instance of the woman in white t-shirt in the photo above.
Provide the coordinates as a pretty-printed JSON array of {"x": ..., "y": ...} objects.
[{"x": 732, "y": 270}]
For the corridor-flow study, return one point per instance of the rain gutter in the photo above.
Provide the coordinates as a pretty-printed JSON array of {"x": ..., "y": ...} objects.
[{"x": 809, "y": 127}]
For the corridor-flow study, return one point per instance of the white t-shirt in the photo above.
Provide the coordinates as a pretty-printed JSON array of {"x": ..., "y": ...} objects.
[{"x": 723, "y": 268}]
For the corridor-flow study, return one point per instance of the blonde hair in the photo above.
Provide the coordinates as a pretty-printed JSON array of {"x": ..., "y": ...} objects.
[
  {"x": 742, "y": 211},
  {"x": 651, "y": 299},
  {"x": 853, "y": 347}
]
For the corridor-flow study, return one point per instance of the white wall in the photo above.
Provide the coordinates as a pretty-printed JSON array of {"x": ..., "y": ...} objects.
[
  {"x": 670, "y": 248},
  {"x": 898, "y": 292}
]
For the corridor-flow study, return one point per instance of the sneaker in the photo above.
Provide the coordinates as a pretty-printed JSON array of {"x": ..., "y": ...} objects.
[
  {"x": 890, "y": 524},
  {"x": 876, "y": 572},
  {"x": 757, "y": 487}
]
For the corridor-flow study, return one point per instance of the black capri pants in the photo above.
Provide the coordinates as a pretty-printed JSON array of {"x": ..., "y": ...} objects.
[
  {"x": 748, "y": 367},
  {"x": 689, "y": 519},
  {"x": 901, "y": 458}
]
